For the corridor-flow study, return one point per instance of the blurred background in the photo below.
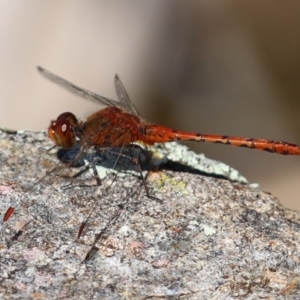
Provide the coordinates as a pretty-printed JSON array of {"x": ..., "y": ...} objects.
[{"x": 230, "y": 68}]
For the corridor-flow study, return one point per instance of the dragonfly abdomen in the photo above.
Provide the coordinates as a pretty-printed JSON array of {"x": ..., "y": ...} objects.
[{"x": 151, "y": 134}]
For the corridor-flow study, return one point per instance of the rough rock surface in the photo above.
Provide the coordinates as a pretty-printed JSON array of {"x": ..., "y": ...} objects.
[{"x": 203, "y": 236}]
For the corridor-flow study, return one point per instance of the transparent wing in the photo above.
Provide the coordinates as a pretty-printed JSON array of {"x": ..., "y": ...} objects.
[
  {"x": 123, "y": 96},
  {"x": 83, "y": 92}
]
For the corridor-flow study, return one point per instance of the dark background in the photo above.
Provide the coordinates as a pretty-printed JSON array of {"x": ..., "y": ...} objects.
[{"x": 229, "y": 68}]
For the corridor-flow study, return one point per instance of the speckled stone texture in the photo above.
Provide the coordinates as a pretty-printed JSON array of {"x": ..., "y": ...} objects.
[{"x": 203, "y": 236}]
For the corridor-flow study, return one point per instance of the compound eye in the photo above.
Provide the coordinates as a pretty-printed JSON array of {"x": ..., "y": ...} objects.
[{"x": 61, "y": 131}]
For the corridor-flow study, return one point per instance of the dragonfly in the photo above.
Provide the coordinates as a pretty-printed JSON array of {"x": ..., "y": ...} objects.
[{"x": 120, "y": 125}]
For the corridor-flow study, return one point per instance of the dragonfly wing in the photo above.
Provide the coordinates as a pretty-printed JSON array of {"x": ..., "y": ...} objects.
[
  {"x": 80, "y": 91},
  {"x": 123, "y": 97}
]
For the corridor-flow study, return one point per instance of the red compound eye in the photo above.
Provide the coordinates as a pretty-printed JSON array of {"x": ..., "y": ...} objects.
[{"x": 61, "y": 131}]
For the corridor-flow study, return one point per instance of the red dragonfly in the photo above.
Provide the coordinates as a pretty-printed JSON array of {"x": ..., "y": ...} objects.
[{"x": 119, "y": 125}]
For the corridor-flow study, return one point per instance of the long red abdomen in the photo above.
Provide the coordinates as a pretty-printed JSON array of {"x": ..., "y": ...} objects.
[{"x": 159, "y": 134}]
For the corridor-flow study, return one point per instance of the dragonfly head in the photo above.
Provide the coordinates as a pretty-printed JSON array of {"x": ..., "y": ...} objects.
[{"x": 62, "y": 131}]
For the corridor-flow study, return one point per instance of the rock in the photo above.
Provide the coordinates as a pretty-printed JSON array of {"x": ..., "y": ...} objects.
[{"x": 205, "y": 234}]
